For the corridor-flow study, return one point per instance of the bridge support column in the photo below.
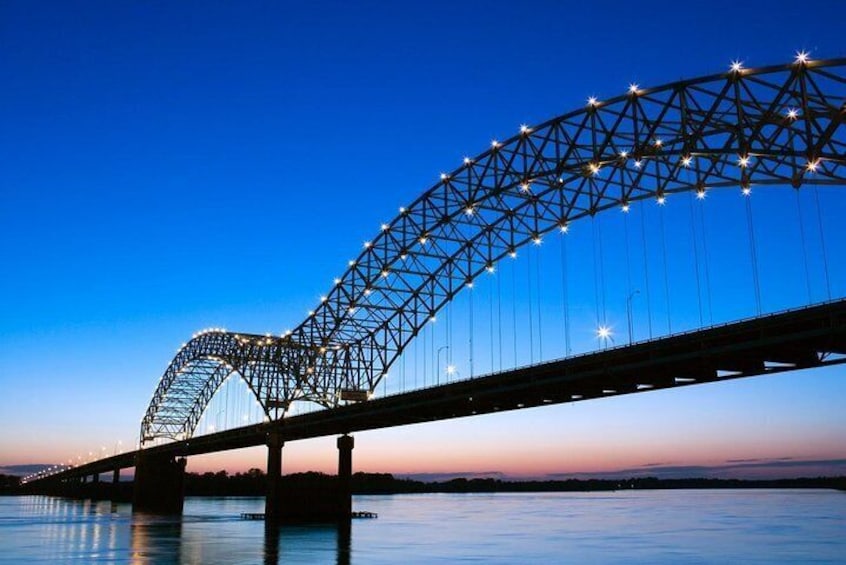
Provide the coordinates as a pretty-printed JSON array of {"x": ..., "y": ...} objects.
[
  {"x": 159, "y": 484},
  {"x": 345, "y": 447},
  {"x": 273, "y": 506},
  {"x": 115, "y": 488}
]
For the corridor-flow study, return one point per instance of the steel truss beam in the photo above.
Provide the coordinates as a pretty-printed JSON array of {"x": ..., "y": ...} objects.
[{"x": 779, "y": 125}]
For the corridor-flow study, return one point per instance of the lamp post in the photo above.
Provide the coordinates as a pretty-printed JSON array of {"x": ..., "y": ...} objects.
[
  {"x": 629, "y": 312},
  {"x": 438, "y": 371}
]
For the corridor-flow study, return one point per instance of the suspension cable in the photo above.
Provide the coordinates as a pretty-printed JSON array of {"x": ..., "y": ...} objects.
[
  {"x": 666, "y": 270},
  {"x": 646, "y": 266},
  {"x": 822, "y": 243},
  {"x": 804, "y": 245},
  {"x": 499, "y": 316},
  {"x": 491, "y": 324},
  {"x": 695, "y": 255},
  {"x": 753, "y": 251},
  {"x": 514, "y": 308},
  {"x": 564, "y": 295},
  {"x": 707, "y": 260},
  {"x": 531, "y": 318},
  {"x": 540, "y": 306},
  {"x": 470, "y": 321}
]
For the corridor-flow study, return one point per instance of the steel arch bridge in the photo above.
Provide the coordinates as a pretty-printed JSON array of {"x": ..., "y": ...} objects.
[{"x": 779, "y": 125}]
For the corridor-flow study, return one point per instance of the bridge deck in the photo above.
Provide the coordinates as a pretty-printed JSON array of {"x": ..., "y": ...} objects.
[{"x": 796, "y": 339}]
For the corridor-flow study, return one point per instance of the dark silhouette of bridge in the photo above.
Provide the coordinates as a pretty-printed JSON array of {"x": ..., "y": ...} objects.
[{"x": 779, "y": 126}]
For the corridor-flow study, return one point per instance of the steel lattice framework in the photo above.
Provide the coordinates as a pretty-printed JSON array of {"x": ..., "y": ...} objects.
[{"x": 779, "y": 125}]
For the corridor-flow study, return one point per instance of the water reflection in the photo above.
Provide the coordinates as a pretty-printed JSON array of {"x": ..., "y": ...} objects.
[{"x": 308, "y": 544}]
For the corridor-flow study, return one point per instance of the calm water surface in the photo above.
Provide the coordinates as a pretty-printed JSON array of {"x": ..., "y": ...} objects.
[{"x": 700, "y": 526}]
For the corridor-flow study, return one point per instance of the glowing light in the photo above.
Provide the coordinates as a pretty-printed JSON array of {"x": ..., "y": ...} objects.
[
  {"x": 469, "y": 210},
  {"x": 468, "y": 161},
  {"x": 633, "y": 88},
  {"x": 351, "y": 309},
  {"x": 661, "y": 199},
  {"x": 524, "y": 187},
  {"x": 368, "y": 244},
  {"x": 367, "y": 291},
  {"x": 686, "y": 160},
  {"x": 433, "y": 318},
  {"x": 812, "y": 166},
  {"x": 385, "y": 227},
  {"x": 624, "y": 154},
  {"x": 351, "y": 263},
  {"x": 746, "y": 190},
  {"x": 592, "y": 101},
  {"x": 469, "y": 284},
  {"x": 603, "y": 332},
  {"x": 743, "y": 161},
  {"x": 594, "y": 168},
  {"x": 450, "y": 369},
  {"x": 513, "y": 253},
  {"x": 423, "y": 239},
  {"x": 525, "y": 130},
  {"x": 792, "y": 113},
  {"x": 638, "y": 163},
  {"x": 490, "y": 268},
  {"x": 658, "y": 142},
  {"x": 444, "y": 176},
  {"x": 337, "y": 280},
  {"x": 625, "y": 207},
  {"x": 802, "y": 57},
  {"x": 385, "y": 273},
  {"x": 736, "y": 66},
  {"x": 402, "y": 210},
  {"x": 537, "y": 240},
  {"x": 700, "y": 194},
  {"x": 564, "y": 227},
  {"x": 495, "y": 144}
]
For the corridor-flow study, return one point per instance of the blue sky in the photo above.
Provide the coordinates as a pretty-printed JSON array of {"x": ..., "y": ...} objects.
[{"x": 166, "y": 167}]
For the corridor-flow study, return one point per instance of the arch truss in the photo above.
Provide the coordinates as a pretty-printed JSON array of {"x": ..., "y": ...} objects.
[{"x": 779, "y": 125}]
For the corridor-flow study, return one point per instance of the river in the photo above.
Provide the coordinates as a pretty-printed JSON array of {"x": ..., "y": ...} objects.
[{"x": 668, "y": 526}]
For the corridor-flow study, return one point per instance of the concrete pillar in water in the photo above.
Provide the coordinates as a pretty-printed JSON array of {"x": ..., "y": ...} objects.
[
  {"x": 115, "y": 490},
  {"x": 273, "y": 498},
  {"x": 345, "y": 447},
  {"x": 159, "y": 484}
]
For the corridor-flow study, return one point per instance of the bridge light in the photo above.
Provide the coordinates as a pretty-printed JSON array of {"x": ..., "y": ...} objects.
[
  {"x": 592, "y": 101},
  {"x": 812, "y": 165},
  {"x": 746, "y": 190},
  {"x": 450, "y": 370},
  {"x": 625, "y": 206},
  {"x": 385, "y": 227},
  {"x": 594, "y": 168},
  {"x": 633, "y": 88},
  {"x": 513, "y": 253},
  {"x": 700, "y": 194},
  {"x": 468, "y": 161},
  {"x": 536, "y": 239},
  {"x": 624, "y": 154},
  {"x": 658, "y": 142},
  {"x": 423, "y": 239},
  {"x": 368, "y": 244},
  {"x": 402, "y": 210},
  {"x": 469, "y": 210},
  {"x": 495, "y": 144},
  {"x": 525, "y": 130},
  {"x": 337, "y": 280},
  {"x": 686, "y": 160},
  {"x": 351, "y": 309},
  {"x": 603, "y": 332},
  {"x": 311, "y": 313},
  {"x": 661, "y": 199},
  {"x": 524, "y": 186},
  {"x": 444, "y": 176},
  {"x": 324, "y": 298},
  {"x": 792, "y": 113},
  {"x": 433, "y": 318},
  {"x": 367, "y": 291},
  {"x": 802, "y": 57},
  {"x": 351, "y": 263},
  {"x": 743, "y": 160},
  {"x": 736, "y": 66},
  {"x": 385, "y": 273},
  {"x": 490, "y": 268},
  {"x": 564, "y": 227},
  {"x": 469, "y": 283},
  {"x": 638, "y": 163}
]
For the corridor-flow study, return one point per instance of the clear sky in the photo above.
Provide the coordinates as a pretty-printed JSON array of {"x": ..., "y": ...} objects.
[{"x": 171, "y": 166}]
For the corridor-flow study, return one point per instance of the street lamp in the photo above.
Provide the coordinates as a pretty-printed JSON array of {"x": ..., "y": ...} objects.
[
  {"x": 629, "y": 312},
  {"x": 438, "y": 371}
]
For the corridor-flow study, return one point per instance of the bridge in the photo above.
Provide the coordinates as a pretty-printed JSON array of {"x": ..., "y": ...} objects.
[{"x": 778, "y": 127}]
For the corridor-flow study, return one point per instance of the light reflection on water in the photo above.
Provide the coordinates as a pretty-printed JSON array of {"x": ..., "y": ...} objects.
[{"x": 749, "y": 526}]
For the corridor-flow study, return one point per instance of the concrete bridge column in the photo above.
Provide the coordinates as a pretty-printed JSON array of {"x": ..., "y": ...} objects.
[
  {"x": 273, "y": 506},
  {"x": 345, "y": 447},
  {"x": 159, "y": 484},
  {"x": 115, "y": 489}
]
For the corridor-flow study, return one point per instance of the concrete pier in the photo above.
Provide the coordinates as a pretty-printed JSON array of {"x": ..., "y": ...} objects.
[{"x": 159, "y": 484}]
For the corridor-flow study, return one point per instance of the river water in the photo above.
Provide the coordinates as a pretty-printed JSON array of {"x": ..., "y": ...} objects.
[{"x": 677, "y": 527}]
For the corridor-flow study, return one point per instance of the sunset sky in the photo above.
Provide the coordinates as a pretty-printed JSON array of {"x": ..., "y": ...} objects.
[{"x": 167, "y": 167}]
